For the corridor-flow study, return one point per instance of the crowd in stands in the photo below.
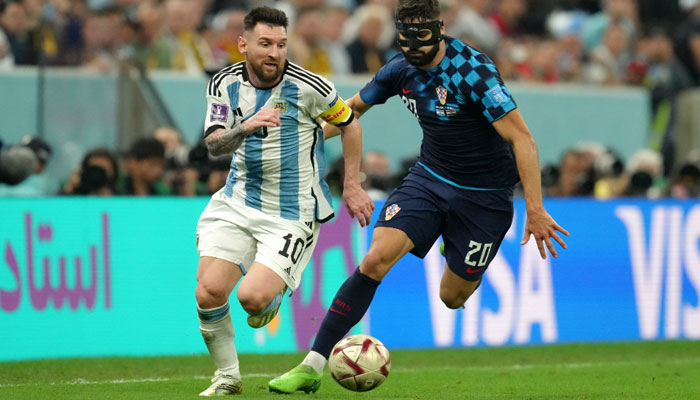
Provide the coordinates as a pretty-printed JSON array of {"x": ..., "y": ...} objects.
[
  {"x": 646, "y": 43},
  {"x": 592, "y": 41},
  {"x": 163, "y": 165}
]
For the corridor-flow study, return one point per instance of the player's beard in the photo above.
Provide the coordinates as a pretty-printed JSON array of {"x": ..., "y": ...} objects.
[
  {"x": 267, "y": 76},
  {"x": 423, "y": 58}
]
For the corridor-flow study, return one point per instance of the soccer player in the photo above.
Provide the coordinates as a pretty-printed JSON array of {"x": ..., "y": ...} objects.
[
  {"x": 475, "y": 144},
  {"x": 261, "y": 228}
]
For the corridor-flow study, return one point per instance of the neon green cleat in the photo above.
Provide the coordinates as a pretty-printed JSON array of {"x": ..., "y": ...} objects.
[{"x": 302, "y": 377}]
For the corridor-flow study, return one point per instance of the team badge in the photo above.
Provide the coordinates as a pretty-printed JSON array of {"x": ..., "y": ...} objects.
[
  {"x": 219, "y": 112},
  {"x": 279, "y": 104},
  {"x": 442, "y": 94},
  {"x": 391, "y": 211}
]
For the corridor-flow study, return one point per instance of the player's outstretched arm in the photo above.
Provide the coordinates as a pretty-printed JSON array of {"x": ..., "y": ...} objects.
[
  {"x": 224, "y": 141},
  {"x": 358, "y": 203},
  {"x": 539, "y": 223},
  {"x": 358, "y": 107}
]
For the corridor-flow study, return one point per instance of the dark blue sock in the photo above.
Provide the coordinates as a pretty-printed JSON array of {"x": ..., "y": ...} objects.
[{"x": 349, "y": 305}]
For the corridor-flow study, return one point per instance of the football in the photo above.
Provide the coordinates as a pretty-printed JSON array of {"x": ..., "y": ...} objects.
[{"x": 360, "y": 363}]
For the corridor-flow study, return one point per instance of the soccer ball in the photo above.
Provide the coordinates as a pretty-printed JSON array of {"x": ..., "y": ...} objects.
[{"x": 360, "y": 363}]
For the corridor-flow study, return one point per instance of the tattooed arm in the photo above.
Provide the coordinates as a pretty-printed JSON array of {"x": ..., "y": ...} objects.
[{"x": 224, "y": 141}]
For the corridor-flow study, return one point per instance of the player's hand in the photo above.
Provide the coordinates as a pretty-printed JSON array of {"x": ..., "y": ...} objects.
[
  {"x": 358, "y": 203},
  {"x": 543, "y": 227},
  {"x": 266, "y": 117}
]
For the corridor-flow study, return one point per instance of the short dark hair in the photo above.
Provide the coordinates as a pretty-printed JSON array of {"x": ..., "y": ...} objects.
[
  {"x": 421, "y": 10},
  {"x": 264, "y": 15},
  {"x": 147, "y": 148}
]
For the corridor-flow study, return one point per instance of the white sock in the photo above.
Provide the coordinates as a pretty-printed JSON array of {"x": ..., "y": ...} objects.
[
  {"x": 315, "y": 360},
  {"x": 217, "y": 332}
]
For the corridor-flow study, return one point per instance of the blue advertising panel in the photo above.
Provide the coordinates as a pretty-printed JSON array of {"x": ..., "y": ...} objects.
[
  {"x": 93, "y": 277},
  {"x": 631, "y": 272}
]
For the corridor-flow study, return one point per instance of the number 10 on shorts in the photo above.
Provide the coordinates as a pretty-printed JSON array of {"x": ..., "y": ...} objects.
[{"x": 296, "y": 251}]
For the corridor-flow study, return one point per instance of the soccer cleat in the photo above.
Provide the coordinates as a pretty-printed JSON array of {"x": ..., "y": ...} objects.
[
  {"x": 263, "y": 318},
  {"x": 223, "y": 385},
  {"x": 302, "y": 377}
]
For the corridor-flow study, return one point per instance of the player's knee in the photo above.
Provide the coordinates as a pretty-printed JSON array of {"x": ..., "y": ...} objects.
[
  {"x": 253, "y": 302},
  {"x": 374, "y": 265},
  {"x": 210, "y": 296},
  {"x": 453, "y": 300},
  {"x": 453, "y": 303}
]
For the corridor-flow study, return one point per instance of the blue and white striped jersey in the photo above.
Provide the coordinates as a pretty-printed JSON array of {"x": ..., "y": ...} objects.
[{"x": 278, "y": 170}]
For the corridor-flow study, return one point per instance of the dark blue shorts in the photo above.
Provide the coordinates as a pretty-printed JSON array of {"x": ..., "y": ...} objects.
[{"x": 472, "y": 222}]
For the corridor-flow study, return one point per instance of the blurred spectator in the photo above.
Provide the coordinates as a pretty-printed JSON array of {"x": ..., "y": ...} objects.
[
  {"x": 663, "y": 15},
  {"x": 202, "y": 174},
  {"x": 304, "y": 45},
  {"x": 96, "y": 175},
  {"x": 685, "y": 182},
  {"x": 149, "y": 49},
  {"x": 473, "y": 26},
  {"x": 228, "y": 27},
  {"x": 644, "y": 174},
  {"x": 665, "y": 77},
  {"x": 217, "y": 174},
  {"x": 404, "y": 166},
  {"x": 13, "y": 24},
  {"x": 334, "y": 23},
  {"x": 335, "y": 176},
  {"x": 607, "y": 174},
  {"x": 570, "y": 58},
  {"x": 102, "y": 32},
  {"x": 367, "y": 50},
  {"x": 623, "y": 13},
  {"x": 376, "y": 180},
  {"x": 449, "y": 10},
  {"x": 367, "y": 31},
  {"x": 190, "y": 53},
  {"x": 22, "y": 173},
  {"x": 609, "y": 59},
  {"x": 513, "y": 60},
  {"x": 17, "y": 163},
  {"x": 7, "y": 59},
  {"x": 574, "y": 173},
  {"x": 687, "y": 44},
  {"x": 145, "y": 165},
  {"x": 507, "y": 16},
  {"x": 176, "y": 152},
  {"x": 544, "y": 63}
]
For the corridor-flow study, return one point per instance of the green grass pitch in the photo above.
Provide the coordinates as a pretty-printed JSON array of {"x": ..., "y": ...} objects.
[{"x": 644, "y": 370}]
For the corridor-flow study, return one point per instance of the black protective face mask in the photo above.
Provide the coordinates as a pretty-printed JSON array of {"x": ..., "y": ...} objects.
[{"x": 412, "y": 32}]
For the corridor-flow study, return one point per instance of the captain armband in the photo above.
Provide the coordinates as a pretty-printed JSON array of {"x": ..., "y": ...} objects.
[{"x": 338, "y": 113}]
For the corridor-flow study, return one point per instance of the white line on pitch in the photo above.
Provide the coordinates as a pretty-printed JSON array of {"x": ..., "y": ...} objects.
[{"x": 81, "y": 381}]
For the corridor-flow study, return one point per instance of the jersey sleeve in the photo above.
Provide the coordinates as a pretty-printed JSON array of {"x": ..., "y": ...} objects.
[
  {"x": 219, "y": 113},
  {"x": 485, "y": 87},
  {"x": 329, "y": 106},
  {"x": 381, "y": 87}
]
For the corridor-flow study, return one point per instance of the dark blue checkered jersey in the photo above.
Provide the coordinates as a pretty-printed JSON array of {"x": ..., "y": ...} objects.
[{"x": 455, "y": 104}]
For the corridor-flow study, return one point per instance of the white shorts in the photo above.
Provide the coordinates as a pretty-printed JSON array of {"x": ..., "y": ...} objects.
[{"x": 232, "y": 231}]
